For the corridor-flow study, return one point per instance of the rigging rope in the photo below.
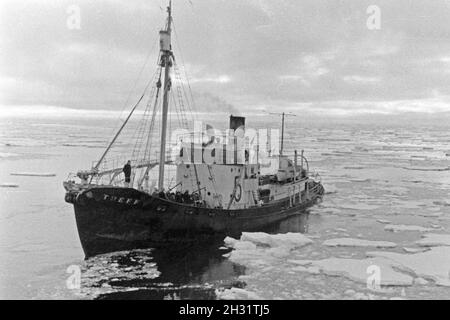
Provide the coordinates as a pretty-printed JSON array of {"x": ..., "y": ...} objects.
[
  {"x": 183, "y": 65},
  {"x": 147, "y": 59}
]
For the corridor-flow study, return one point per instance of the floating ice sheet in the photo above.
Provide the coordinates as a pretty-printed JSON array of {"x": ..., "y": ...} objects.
[
  {"x": 358, "y": 206},
  {"x": 330, "y": 189},
  {"x": 33, "y": 174},
  {"x": 262, "y": 249},
  {"x": 434, "y": 239},
  {"x": 236, "y": 294},
  {"x": 349, "y": 242},
  {"x": 427, "y": 169},
  {"x": 8, "y": 185},
  {"x": 402, "y": 227},
  {"x": 431, "y": 265},
  {"x": 360, "y": 270},
  {"x": 414, "y": 250},
  {"x": 291, "y": 240}
]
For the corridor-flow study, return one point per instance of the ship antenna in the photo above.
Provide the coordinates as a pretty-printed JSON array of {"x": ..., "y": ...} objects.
[
  {"x": 166, "y": 62},
  {"x": 283, "y": 116}
]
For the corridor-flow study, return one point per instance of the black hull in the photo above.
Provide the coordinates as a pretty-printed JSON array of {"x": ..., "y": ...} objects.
[{"x": 117, "y": 219}]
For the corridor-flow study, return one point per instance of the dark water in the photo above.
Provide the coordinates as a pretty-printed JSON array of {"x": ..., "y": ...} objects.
[{"x": 185, "y": 271}]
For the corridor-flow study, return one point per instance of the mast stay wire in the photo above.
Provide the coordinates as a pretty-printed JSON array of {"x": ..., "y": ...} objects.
[
  {"x": 183, "y": 64},
  {"x": 152, "y": 124},
  {"x": 133, "y": 88},
  {"x": 140, "y": 131}
]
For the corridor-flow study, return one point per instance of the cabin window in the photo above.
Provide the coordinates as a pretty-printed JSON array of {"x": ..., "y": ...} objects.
[
  {"x": 209, "y": 193},
  {"x": 231, "y": 169}
]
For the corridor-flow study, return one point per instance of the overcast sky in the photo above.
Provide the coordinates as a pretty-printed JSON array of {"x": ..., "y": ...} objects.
[{"x": 262, "y": 54}]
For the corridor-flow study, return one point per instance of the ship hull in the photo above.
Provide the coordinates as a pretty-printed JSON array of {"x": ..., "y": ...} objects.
[{"x": 116, "y": 219}]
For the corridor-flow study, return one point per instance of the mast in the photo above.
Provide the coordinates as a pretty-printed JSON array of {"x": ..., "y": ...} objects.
[
  {"x": 282, "y": 133},
  {"x": 166, "y": 63},
  {"x": 283, "y": 116}
]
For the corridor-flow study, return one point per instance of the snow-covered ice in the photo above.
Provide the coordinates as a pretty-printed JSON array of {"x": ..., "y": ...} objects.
[
  {"x": 359, "y": 269},
  {"x": 330, "y": 189},
  {"x": 34, "y": 174},
  {"x": 434, "y": 239},
  {"x": 237, "y": 294},
  {"x": 349, "y": 242},
  {"x": 402, "y": 227},
  {"x": 414, "y": 250},
  {"x": 291, "y": 240},
  {"x": 8, "y": 185},
  {"x": 262, "y": 249},
  {"x": 433, "y": 264},
  {"x": 358, "y": 206}
]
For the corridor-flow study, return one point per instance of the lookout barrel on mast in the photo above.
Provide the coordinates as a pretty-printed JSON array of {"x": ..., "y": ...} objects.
[{"x": 166, "y": 63}]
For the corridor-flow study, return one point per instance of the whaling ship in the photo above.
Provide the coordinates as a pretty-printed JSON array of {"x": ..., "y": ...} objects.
[{"x": 219, "y": 188}]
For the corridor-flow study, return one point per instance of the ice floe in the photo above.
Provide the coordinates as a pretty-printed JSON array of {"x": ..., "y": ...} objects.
[
  {"x": 8, "y": 185},
  {"x": 359, "y": 180},
  {"x": 330, "y": 189},
  {"x": 434, "y": 239},
  {"x": 382, "y": 221},
  {"x": 442, "y": 203},
  {"x": 104, "y": 274},
  {"x": 291, "y": 240},
  {"x": 430, "y": 265},
  {"x": 358, "y": 206},
  {"x": 414, "y": 250},
  {"x": 33, "y": 174},
  {"x": 398, "y": 191},
  {"x": 7, "y": 154},
  {"x": 427, "y": 169},
  {"x": 402, "y": 227},
  {"x": 359, "y": 270},
  {"x": 349, "y": 242},
  {"x": 262, "y": 249},
  {"x": 236, "y": 294}
]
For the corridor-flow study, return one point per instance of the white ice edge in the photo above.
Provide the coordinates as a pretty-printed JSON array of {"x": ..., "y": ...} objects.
[
  {"x": 350, "y": 242},
  {"x": 33, "y": 174},
  {"x": 259, "y": 251},
  {"x": 434, "y": 239},
  {"x": 399, "y": 228},
  {"x": 8, "y": 185}
]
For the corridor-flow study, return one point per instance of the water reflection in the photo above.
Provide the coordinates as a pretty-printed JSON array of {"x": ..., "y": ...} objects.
[{"x": 181, "y": 271}]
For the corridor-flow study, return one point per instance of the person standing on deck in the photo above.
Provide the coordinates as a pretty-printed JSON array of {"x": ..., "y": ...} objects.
[{"x": 127, "y": 172}]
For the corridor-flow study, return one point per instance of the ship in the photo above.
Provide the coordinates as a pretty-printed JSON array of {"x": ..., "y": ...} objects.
[{"x": 220, "y": 186}]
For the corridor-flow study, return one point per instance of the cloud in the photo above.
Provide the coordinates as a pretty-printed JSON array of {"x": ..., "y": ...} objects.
[
  {"x": 250, "y": 53},
  {"x": 222, "y": 79}
]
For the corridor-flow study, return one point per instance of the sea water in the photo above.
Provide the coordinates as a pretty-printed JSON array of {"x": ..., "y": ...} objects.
[{"x": 381, "y": 232}]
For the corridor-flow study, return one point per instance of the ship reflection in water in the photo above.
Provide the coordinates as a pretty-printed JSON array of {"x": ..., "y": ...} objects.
[{"x": 184, "y": 271}]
